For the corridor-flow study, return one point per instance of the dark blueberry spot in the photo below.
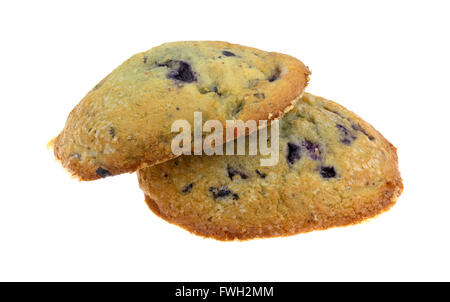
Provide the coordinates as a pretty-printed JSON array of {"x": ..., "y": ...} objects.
[
  {"x": 358, "y": 127},
  {"x": 165, "y": 175},
  {"x": 216, "y": 90},
  {"x": 313, "y": 149},
  {"x": 262, "y": 175},
  {"x": 275, "y": 75},
  {"x": 187, "y": 188},
  {"x": 178, "y": 108},
  {"x": 222, "y": 192},
  {"x": 232, "y": 172},
  {"x": 260, "y": 95},
  {"x": 293, "y": 153},
  {"x": 228, "y": 53},
  {"x": 183, "y": 73},
  {"x": 112, "y": 132},
  {"x": 346, "y": 141},
  {"x": 102, "y": 172},
  {"x": 327, "y": 172},
  {"x": 347, "y": 136}
]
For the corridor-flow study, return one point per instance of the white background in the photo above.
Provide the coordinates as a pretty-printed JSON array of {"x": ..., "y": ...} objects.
[{"x": 388, "y": 61}]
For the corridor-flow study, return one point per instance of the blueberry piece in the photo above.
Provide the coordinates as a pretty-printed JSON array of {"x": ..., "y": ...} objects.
[
  {"x": 228, "y": 53},
  {"x": 183, "y": 73},
  {"x": 262, "y": 175},
  {"x": 327, "y": 172},
  {"x": 293, "y": 153},
  {"x": 347, "y": 136},
  {"x": 102, "y": 172},
  {"x": 112, "y": 132},
  {"x": 222, "y": 192},
  {"x": 187, "y": 188},
  {"x": 356, "y": 127},
  {"x": 313, "y": 149},
  {"x": 275, "y": 75},
  {"x": 216, "y": 90},
  {"x": 232, "y": 172},
  {"x": 260, "y": 95}
]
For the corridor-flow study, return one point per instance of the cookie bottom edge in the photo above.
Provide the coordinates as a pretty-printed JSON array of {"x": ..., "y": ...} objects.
[{"x": 383, "y": 205}]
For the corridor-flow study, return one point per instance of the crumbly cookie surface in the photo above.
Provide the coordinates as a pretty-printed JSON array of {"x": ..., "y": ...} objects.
[
  {"x": 334, "y": 169},
  {"x": 125, "y": 121}
]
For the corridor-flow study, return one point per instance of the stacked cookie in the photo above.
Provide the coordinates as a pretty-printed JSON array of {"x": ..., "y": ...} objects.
[{"x": 333, "y": 168}]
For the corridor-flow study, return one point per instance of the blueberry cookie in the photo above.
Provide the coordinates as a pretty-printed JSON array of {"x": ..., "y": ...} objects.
[
  {"x": 124, "y": 122},
  {"x": 334, "y": 169}
]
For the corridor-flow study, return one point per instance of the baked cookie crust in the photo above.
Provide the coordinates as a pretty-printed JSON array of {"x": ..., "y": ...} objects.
[
  {"x": 124, "y": 122},
  {"x": 334, "y": 169}
]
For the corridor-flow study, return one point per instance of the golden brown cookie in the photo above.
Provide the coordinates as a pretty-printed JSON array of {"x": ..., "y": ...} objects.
[
  {"x": 124, "y": 122},
  {"x": 334, "y": 169}
]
